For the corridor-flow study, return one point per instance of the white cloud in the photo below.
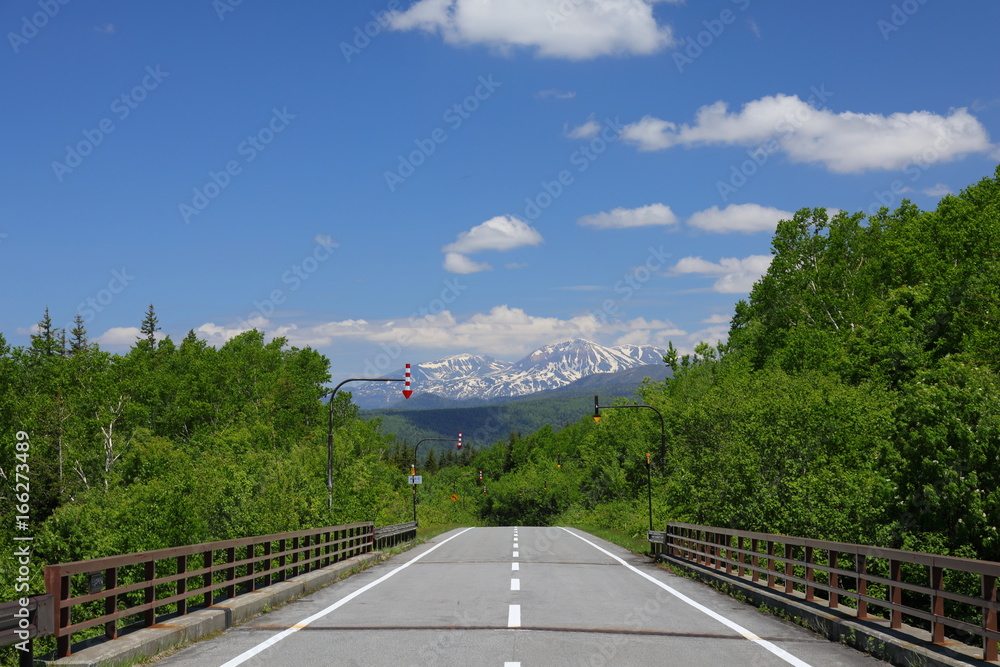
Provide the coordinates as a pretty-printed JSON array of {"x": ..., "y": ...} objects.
[
  {"x": 326, "y": 241},
  {"x": 640, "y": 331},
  {"x": 938, "y": 190},
  {"x": 501, "y": 331},
  {"x": 217, "y": 334},
  {"x": 620, "y": 218},
  {"x": 733, "y": 275},
  {"x": 846, "y": 142},
  {"x": 459, "y": 263},
  {"x": 504, "y": 232},
  {"x": 650, "y": 134},
  {"x": 739, "y": 218},
  {"x": 573, "y": 30},
  {"x": 588, "y": 130},
  {"x": 119, "y": 337},
  {"x": 717, "y": 319}
]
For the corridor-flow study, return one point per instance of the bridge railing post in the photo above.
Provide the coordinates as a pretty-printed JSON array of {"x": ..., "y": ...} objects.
[
  {"x": 988, "y": 589},
  {"x": 862, "y": 567}
]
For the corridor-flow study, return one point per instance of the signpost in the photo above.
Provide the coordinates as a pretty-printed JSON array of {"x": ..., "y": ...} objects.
[{"x": 415, "y": 479}]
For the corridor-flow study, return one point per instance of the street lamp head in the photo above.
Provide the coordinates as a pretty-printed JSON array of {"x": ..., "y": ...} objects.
[{"x": 597, "y": 415}]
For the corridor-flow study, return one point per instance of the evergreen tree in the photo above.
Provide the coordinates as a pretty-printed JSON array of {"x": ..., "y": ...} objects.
[
  {"x": 78, "y": 343},
  {"x": 47, "y": 342},
  {"x": 150, "y": 325}
]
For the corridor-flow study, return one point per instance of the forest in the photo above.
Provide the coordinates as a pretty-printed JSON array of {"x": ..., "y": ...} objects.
[{"x": 856, "y": 399}]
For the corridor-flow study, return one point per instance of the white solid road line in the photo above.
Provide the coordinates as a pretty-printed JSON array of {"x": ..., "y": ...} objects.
[
  {"x": 780, "y": 652},
  {"x": 514, "y": 616},
  {"x": 246, "y": 655}
]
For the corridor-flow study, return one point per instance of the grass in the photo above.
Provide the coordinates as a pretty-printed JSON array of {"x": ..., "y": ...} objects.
[{"x": 637, "y": 545}]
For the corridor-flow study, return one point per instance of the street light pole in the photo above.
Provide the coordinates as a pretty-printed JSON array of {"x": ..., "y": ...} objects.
[
  {"x": 329, "y": 435},
  {"x": 413, "y": 468},
  {"x": 663, "y": 428},
  {"x": 649, "y": 465}
]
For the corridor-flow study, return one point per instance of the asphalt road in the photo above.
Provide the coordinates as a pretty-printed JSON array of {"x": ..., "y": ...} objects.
[{"x": 516, "y": 597}]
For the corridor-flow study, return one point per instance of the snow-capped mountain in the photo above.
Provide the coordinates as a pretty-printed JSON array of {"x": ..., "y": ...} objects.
[{"x": 483, "y": 378}]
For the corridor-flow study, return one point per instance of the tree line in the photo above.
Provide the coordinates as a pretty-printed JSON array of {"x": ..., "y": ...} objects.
[
  {"x": 180, "y": 443},
  {"x": 856, "y": 398}
]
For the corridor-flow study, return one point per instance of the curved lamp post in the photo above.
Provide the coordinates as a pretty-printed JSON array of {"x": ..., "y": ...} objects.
[
  {"x": 413, "y": 468},
  {"x": 329, "y": 435},
  {"x": 663, "y": 447}
]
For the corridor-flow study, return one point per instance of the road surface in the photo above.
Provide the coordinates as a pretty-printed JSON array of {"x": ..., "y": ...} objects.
[{"x": 516, "y": 597}]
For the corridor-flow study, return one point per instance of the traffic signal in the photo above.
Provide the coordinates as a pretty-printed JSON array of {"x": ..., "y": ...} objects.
[
  {"x": 480, "y": 476},
  {"x": 459, "y": 440}
]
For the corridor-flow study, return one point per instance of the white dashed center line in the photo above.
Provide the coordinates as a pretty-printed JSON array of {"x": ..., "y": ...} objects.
[
  {"x": 515, "y": 584},
  {"x": 514, "y": 616},
  {"x": 514, "y": 567}
]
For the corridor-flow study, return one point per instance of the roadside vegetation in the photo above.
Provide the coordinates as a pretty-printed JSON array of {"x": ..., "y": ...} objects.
[{"x": 856, "y": 399}]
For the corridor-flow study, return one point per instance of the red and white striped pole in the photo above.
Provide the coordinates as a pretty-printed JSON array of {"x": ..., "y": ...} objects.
[{"x": 407, "y": 392}]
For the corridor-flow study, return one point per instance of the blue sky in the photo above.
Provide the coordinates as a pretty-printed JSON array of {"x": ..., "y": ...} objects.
[{"x": 395, "y": 181}]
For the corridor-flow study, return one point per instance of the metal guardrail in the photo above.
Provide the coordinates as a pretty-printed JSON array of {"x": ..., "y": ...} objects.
[
  {"x": 21, "y": 623},
  {"x": 387, "y": 536},
  {"x": 110, "y": 591},
  {"x": 841, "y": 570}
]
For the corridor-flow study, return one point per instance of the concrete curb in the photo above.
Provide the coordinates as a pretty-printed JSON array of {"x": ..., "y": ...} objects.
[
  {"x": 147, "y": 642},
  {"x": 907, "y": 646}
]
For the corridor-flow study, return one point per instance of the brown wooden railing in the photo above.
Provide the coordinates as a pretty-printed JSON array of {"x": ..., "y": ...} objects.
[
  {"x": 867, "y": 577},
  {"x": 119, "y": 590}
]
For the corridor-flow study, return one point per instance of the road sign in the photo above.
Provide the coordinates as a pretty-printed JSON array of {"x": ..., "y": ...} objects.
[
  {"x": 454, "y": 497},
  {"x": 415, "y": 479}
]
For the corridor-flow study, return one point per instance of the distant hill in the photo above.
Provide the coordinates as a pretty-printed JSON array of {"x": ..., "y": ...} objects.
[
  {"x": 477, "y": 379},
  {"x": 484, "y": 425}
]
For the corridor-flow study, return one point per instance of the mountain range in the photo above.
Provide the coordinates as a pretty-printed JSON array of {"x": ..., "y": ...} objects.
[{"x": 470, "y": 379}]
